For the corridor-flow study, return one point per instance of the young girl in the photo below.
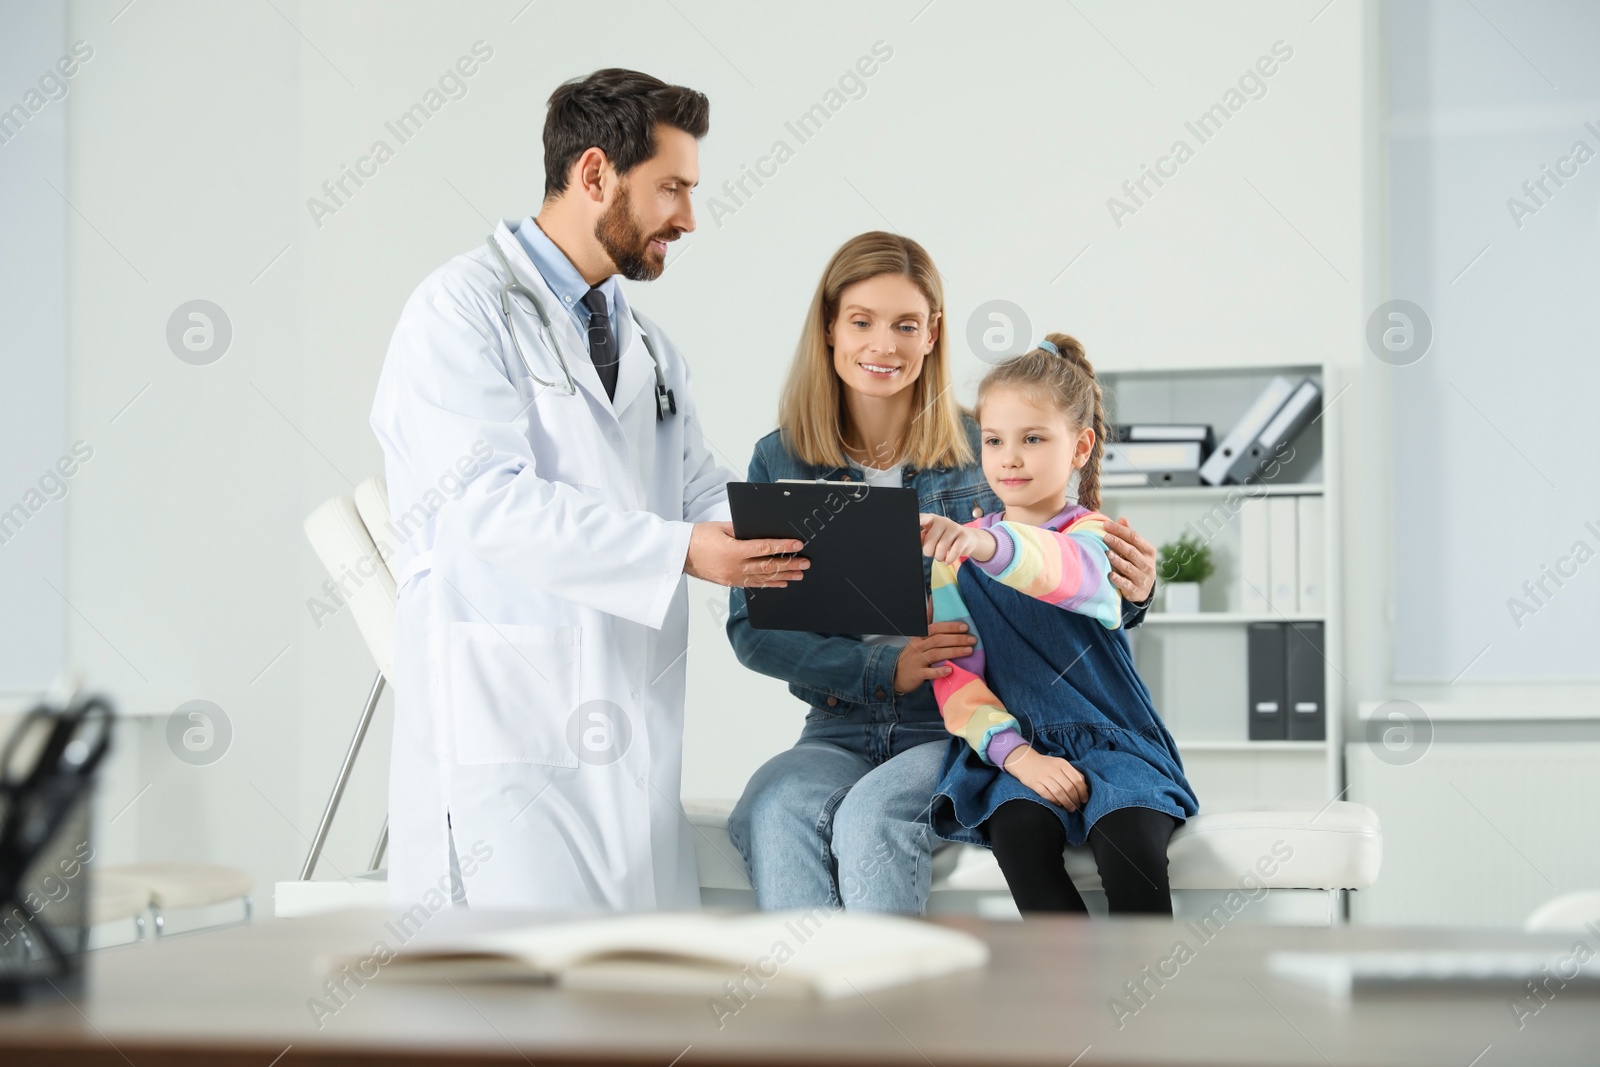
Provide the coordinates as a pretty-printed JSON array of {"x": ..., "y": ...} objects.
[{"x": 1057, "y": 740}]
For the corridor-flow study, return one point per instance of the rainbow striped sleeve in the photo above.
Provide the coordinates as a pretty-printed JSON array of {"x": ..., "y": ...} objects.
[
  {"x": 1070, "y": 568},
  {"x": 970, "y": 709}
]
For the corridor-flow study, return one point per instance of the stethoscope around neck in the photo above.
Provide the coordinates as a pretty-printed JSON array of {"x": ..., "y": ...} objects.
[{"x": 666, "y": 402}]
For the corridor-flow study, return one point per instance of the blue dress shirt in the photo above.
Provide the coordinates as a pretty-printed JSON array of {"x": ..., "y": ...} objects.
[{"x": 563, "y": 278}]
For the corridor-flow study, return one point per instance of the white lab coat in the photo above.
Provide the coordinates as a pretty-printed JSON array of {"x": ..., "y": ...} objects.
[{"x": 540, "y": 547}]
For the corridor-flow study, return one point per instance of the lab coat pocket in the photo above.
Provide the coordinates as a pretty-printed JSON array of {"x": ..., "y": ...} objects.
[{"x": 512, "y": 690}]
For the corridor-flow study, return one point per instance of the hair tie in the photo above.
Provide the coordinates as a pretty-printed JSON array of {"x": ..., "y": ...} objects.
[{"x": 1049, "y": 346}]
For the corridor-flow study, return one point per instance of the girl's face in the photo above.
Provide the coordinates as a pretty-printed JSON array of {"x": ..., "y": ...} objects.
[
  {"x": 1029, "y": 453},
  {"x": 881, "y": 335}
]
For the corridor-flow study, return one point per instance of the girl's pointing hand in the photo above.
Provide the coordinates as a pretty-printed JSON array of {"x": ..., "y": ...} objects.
[{"x": 947, "y": 540}]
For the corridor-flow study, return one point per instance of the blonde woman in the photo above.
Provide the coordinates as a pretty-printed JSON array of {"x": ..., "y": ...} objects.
[{"x": 841, "y": 818}]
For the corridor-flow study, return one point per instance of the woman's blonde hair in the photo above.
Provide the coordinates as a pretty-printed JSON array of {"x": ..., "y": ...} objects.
[
  {"x": 1065, "y": 381},
  {"x": 812, "y": 414}
]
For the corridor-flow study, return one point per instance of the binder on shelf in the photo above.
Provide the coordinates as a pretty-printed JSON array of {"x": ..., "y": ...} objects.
[
  {"x": 1143, "y": 456},
  {"x": 1221, "y": 465},
  {"x": 1255, "y": 580},
  {"x": 1308, "y": 525},
  {"x": 1170, "y": 431},
  {"x": 1304, "y": 681},
  {"x": 1156, "y": 479},
  {"x": 1295, "y": 415},
  {"x": 1266, "y": 689},
  {"x": 1151, "y": 463},
  {"x": 1283, "y": 545}
]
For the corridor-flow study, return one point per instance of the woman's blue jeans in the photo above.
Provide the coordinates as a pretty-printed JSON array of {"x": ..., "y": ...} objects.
[{"x": 841, "y": 819}]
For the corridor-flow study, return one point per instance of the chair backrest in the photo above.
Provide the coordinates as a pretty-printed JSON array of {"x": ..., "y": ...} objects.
[
  {"x": 1570, "y": 911},
  {"x": 346, "y": 533},
  {"x": 372, "y": 504}
]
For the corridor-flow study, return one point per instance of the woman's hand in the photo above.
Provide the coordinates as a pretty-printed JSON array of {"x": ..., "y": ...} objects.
[
  {"x": 1050, "y": 776},
  {"x": 921, "y": 657},
  {"x": 947, "y": 540},
  {"x": 1133, "y": 562}
]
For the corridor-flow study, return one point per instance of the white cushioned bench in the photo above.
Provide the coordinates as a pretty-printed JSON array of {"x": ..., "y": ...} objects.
[
  {"x": 1257, "y": 866},
  {"x": 1271, "y": 866}
]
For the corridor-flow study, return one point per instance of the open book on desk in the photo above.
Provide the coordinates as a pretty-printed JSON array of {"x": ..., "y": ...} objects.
[{"x": 819, "y": 953}]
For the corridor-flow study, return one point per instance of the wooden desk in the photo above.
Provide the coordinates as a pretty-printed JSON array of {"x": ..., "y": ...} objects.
[{"x": 239, "y": 998}]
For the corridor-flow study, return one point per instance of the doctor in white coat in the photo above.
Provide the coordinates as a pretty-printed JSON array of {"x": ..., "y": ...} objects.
[{"x": 545, "y": 528}]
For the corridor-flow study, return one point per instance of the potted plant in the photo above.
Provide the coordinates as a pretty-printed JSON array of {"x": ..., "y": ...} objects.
[{"x": 1182, "y": 565}]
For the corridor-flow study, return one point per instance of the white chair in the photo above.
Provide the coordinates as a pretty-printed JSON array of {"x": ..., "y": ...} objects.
[
  {"x": 164, "y": 886},
  {"x": 114, "y": 896},
  {"x": 1568, "y": 913},
  {"x": 348, "y": 535}
]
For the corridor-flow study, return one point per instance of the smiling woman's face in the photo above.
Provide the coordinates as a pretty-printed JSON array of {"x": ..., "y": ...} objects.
[{"x": 881, "y": 335}]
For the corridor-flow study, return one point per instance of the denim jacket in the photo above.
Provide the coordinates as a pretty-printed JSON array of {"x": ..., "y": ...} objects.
[{"x": 839, "y": 673}]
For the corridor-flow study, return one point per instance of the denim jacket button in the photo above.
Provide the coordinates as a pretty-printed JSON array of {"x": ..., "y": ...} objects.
[
  {"x": 977, "y": 511},
  {"x": 833, "y": 701},
  {"x": 880, "y": 692}
]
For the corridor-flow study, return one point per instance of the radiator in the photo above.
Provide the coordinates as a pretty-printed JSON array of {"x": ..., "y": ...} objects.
[{"x": 1478, "y": 834}]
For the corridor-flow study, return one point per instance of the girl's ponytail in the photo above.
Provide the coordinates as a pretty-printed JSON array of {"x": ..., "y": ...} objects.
[{"x": 1089, "y": 474}]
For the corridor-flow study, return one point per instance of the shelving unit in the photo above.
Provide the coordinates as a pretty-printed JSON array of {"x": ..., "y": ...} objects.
[
  {"x": 1195, "y": 664},
  {"x": 1250, "y": 746},
  {"x": 1203, "y": 492},
  {"x": 1223, "y": 618}
]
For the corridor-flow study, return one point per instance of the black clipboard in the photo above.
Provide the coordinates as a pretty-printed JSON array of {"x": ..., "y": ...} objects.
[{"x": 865, "y": 547}]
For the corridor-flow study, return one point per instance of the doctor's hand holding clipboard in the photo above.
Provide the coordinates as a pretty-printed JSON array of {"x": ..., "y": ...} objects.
[{"x": 716, "y": 555}]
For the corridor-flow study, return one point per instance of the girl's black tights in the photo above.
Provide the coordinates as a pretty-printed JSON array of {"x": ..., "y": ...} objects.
[{"x": 1130, "y": 848}]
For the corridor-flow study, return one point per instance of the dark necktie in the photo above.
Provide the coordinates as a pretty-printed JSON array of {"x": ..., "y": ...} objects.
[{"x": 602, "y": 343}]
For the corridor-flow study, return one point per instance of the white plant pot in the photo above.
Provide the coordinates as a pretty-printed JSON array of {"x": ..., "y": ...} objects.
[{"x": 1182, "y": 598}]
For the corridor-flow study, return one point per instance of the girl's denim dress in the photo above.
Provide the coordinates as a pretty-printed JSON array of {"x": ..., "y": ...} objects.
[{"x": 1073, "y": 688}]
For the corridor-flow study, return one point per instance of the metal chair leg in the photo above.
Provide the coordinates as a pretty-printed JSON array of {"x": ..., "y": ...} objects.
[
  {"x": 381, "y": 847},
  {"x": 344, "y": 777},
  {"x": 161, "y": 921},
  {"x": 249, "y": 908},
  {"x": 138, "y": 928}
]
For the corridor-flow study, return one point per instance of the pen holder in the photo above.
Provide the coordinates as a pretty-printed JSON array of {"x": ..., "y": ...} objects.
[{"x": 47, "y": 777}]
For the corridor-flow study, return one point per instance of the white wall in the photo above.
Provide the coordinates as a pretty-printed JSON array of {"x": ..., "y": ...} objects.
[{"x": 994, "y": 138}]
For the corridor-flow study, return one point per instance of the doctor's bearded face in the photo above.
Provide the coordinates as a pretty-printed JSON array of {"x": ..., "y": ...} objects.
[{"x": 651, "y": 207}]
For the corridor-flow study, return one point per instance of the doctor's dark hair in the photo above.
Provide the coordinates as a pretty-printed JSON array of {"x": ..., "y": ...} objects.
[
  {"x": 616, "y": 111},
  {"x": 1065, "y": 382}
]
